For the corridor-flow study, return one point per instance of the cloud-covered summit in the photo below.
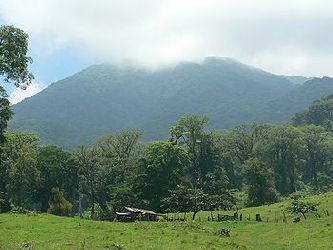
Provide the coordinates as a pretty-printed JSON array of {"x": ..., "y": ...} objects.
[{"x": 282, "y": 36}]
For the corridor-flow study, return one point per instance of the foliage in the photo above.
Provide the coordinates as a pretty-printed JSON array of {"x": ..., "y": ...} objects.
[
  {"x": 188, "y": 132},
  {"x": 184, "y": 199},
  {"x": 261, "y": 183},
  {"x": 319, "y": 113},
  {"x": 161, "y": 170},
  {"x": 318, "y": 155},
  {"x": 282, "y": 148},
  {"x": 58, "y": 204},
  {"x": 299, "y": 206},
  {"x": 91, "y": 174},
  {"x": 5, "y": 113},
  {"x": 56, "y": 170},
  {"x": 13, "y": 56},
  {"x": 196, "y": 169},
  {"x": 19, "y": 171}
]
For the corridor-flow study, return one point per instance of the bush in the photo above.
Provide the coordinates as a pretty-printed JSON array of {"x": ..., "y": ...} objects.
[
  {"x": 18, "y": 210},
  {"x": 58, "y": 205}
]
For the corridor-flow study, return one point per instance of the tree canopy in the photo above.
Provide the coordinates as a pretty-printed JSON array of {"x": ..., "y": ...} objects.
[{"x": 14, "y": 61}]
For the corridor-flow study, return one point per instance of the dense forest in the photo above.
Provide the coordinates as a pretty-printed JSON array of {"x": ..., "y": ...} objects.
[
  {"x": 103, "y": 99},
  {"x": 194, "y": 169}
]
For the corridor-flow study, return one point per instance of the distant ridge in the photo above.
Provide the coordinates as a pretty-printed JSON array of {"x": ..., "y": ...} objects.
[{"x": 104, "y": 98}]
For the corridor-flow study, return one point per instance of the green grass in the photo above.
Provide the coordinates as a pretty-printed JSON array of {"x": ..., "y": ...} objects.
[{"x": 42, "y": 231}]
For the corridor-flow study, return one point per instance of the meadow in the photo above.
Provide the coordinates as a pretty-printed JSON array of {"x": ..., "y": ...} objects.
[{"x": 43, "y": 231}]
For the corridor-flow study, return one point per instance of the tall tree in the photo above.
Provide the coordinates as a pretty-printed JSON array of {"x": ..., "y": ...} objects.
[
  {"x": 14, "y": 68},
  {"x": 19, "y": 159},
  {"x": 237, "y": 146},
  {"x": 261, "y": 183},
  {"x": 318, "y": 152},
  {"x": 162, "y": 169},
  {"x": 118, "y": 156},
  {"x": 56, "y": 172},
  {"x": 13, "y": 56},
  {"x": 189, "y": 132},
  {"x": 282, "y": 148},
  {"x": 118, "y": 151},
  {"x": 5, "y": 113},
  {"x": 91, "y": 179}
]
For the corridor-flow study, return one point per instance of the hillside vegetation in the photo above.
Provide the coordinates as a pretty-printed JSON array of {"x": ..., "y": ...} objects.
[
  {"x": 41, "y": 231},
  {"x": 103, "y": 99}
]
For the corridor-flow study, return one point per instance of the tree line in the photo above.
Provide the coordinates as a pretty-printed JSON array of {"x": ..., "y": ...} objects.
[{"x": 195, "y": 169}]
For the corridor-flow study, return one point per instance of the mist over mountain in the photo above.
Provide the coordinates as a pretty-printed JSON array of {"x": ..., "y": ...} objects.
[
  {"x": 298, "y": 79},
  {"x": 104, "y": 98}
]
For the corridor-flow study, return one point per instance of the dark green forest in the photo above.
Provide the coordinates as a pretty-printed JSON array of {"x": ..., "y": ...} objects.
[
  {"x": 104, "y": 99},
  {"x": 194, "y": 169}
]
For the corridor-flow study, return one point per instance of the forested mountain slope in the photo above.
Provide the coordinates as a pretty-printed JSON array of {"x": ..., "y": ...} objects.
[
  {"x": 283, "y": 108},
  {"x": 104, "y": 98}
]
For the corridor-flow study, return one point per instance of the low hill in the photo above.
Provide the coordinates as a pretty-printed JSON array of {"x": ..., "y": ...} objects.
[
  {"x": 42, "y": 231},
  {"x": 103, "y": 98}
]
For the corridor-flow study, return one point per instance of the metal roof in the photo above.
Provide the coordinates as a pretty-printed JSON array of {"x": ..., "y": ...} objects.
[{"x": 138, "y": 210}]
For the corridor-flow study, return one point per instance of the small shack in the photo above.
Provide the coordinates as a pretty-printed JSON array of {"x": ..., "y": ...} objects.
[{"x": 129, "y": 214}]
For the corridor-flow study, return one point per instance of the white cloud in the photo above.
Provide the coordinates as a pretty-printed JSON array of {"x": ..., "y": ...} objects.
[
  {"x": 18, "y": 95},
  {"x": 282, "y": 36}
]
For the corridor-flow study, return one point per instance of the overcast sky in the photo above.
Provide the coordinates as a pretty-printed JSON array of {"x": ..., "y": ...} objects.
[{"x": 292, "y": 37}]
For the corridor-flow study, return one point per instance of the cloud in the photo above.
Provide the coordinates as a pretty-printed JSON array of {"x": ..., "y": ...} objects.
[
  {"x": 18, "y": 95},
  {"x": 282, "y": 36}
]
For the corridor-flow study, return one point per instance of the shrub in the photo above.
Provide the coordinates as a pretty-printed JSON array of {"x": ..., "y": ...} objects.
[
  {"x": 58, "y": 205},
  {"x": 18, "y": 210}
]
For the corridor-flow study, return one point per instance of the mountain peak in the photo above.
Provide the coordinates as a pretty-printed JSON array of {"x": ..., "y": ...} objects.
[{"x": 105, "y": 98}]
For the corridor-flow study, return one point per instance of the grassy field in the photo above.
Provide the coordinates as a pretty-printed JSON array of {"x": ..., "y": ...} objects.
[{"x": 42, "y": 231}]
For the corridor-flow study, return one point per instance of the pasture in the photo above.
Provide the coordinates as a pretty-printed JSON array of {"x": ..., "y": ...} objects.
[{"x": 43, "y": 231}]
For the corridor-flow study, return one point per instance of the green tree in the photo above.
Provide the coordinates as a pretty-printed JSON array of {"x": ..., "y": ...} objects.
[
  {"x": 13, "y": 56},
  {"x": 14, "y": 68},
  {"x": 299, "y": 206},
  {"x": 19, "y": 161},
  {"x": 56, "y": 170},
  {"x": 238, "y": 146},
  {"x": 283, "y": 148},
  {"x": 318, "y": 154},
  {"x": 119, "y": 152},
  {"x": 162, "y": 169},
  {"x": 216, "y": 181},
  {"x": 185, "y": 199},
  {"x": 91, "y": 179},
  {"x": 319, "y": 113},
  {"x": 189, "y": 132},
  {"x": 261, "y": 183},
  {"x": 5, "y": 113}
]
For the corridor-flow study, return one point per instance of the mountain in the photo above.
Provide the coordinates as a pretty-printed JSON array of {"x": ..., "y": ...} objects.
[
  {"x": 104, "y": 98},
  {"x": 301, "y": 97},
  {"x": 298, "y": 79}
]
